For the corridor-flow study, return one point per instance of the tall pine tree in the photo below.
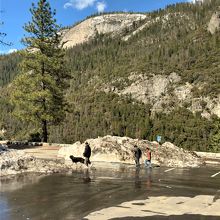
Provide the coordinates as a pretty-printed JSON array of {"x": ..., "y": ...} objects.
[{"x": 39, "y": 91}]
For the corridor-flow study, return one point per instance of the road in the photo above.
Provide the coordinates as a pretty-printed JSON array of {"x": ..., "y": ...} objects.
[{"x": 114, "y": 192}]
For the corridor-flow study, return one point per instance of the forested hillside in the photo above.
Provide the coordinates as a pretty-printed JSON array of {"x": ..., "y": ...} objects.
[
  {"x": 174, "y": 40},
  {"x": 8, "y": 67}
]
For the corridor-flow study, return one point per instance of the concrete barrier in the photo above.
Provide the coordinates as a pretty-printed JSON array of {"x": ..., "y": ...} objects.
[
  {"x": 209, "y": 158},
  {"x": 208, "y": 155}
]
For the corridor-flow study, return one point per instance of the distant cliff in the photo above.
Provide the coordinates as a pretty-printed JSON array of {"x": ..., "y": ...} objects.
[{"x": 105, "y": 24}]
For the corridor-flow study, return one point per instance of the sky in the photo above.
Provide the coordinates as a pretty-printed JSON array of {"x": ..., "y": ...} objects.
[{"x": 15, "y": 13}]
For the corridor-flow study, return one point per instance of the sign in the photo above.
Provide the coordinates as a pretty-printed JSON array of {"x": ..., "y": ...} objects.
[{"x": 158, "y": 138}]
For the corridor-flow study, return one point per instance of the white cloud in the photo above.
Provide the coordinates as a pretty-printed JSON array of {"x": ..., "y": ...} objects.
[
  {"x": 101, "y": 6},
  {"x": 8, "y": 51},
  {"x": 12, "y": 50},
  {"x": 82, "y": 4},
  {"x": 67, "y": 5},
  {"x": 79, "y": 4},
  {"x": 195, "y": 1}
]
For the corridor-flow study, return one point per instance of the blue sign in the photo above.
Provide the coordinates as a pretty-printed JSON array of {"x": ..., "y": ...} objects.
[{"x": 158, "y": 138}]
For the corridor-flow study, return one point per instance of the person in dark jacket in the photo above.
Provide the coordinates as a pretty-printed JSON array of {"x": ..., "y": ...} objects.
[
  {"x": 137, "y": 155},
  {"x": 87, "y": 154}
]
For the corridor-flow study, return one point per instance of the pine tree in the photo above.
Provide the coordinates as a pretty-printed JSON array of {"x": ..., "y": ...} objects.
[
  {"x": 38, "y": 92},
  {"x": 215, "y": 137},
  {"x": 2, "y": 35}
]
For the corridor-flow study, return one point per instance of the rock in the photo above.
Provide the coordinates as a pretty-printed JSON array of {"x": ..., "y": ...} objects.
[
  {"x": 103, "y": 24},
  {"x": 3, "y": 148},
  {"x": 148, "y": 89},
  {"x": 184, "y": 92},
  {"x": 16, "y": 161},
  {"x": 13, "y": 161},
  {"x": 120, "y": 150},
  {"x": 214, "y": 24},
  {"x": 216, "y": 106},
  {"x": 161, "y": 92},
  {"x": 104, "y": 149},
  {"x": 178, "y": 157},
  {"x": 197, "y": 1}
]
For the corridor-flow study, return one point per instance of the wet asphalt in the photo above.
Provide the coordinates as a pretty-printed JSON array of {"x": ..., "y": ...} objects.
[{"x": 75, "y": 195}]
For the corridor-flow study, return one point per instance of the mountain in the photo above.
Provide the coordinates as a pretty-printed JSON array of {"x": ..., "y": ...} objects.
[
  {"x": 137, "y": 75},
  {"x": 106, "y": 24},
  {"x": 151, "y": 86}
]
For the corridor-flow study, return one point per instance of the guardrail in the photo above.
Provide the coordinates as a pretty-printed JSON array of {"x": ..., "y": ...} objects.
[
  {"x": 209, "y": 158},
  {"x": 208, "y": 155}
]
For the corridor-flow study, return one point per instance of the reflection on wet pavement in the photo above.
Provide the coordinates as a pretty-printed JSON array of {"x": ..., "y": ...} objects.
[{"x": 73, "y": 196}]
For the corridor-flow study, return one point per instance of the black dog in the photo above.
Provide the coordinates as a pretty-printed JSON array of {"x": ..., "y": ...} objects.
[{"x": 77, "y": 159}]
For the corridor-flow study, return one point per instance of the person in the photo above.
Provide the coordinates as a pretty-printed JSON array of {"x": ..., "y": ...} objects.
[
  {"x": 148, "y": 160},
  {"x": 87, "y": 154},
  {"x": 137, "y": 155}
]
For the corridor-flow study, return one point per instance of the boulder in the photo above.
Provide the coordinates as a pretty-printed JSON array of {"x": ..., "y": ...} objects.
[
  {"x": 3, "y": 148},
  {"x": 13, "y": 161},
  {"x": 116, "y": 149},
  {"x": 17, "y": 161}
]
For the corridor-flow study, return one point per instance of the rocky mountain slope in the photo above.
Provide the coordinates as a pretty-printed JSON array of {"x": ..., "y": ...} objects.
[
  {"x": 158, "y": 90},
  {"x": 113, "y": 24},
  {"x": 155, "y": 90},
  {"x": 137, "y": 75}
]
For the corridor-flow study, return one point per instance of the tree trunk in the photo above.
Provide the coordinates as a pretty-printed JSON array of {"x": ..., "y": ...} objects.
[
  {"x": 44, "y": 131},
  {"x": 44, "y": 122}
]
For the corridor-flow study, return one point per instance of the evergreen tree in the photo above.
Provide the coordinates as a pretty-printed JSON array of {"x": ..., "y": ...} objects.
[
  {"x": 38, "y": 93},
  {"x": 2, "y": 35},
  {"x": 215, "y": 137}
]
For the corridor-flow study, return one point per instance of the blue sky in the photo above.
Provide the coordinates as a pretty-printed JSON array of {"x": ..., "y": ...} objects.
[{"x": 15, "y": 13}]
